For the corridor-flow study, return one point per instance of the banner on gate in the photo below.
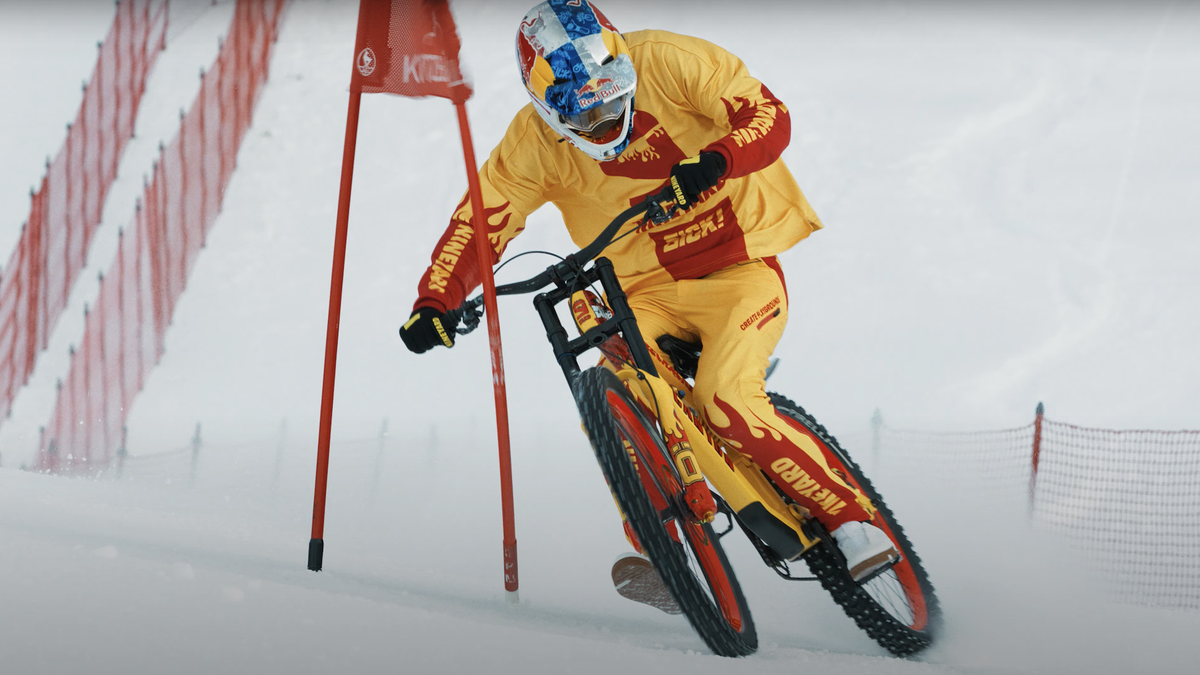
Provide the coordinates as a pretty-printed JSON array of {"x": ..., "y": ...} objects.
[{"x": 408, "y": 48}]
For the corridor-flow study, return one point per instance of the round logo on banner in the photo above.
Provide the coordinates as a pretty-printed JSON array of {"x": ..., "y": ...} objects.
[{"x": 366, "y": 62}]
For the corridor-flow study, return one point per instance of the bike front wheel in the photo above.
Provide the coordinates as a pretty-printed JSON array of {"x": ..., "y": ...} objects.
[
  {"x": 686, "y": 553},
  {"x": 898, "y": 607}
]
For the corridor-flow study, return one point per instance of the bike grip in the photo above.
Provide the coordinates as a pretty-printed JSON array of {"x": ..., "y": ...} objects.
[{"x": 667, "y": 194}]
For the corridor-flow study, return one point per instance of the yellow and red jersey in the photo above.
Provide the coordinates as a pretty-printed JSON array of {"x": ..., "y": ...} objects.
[{"x": 692, "y": 96}]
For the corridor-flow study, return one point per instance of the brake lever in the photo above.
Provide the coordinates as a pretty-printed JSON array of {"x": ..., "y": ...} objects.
[
  {"x": 470, "y": 321},
  {"x": 658, "y": 215},
  {"x": 467, "y": 316}
]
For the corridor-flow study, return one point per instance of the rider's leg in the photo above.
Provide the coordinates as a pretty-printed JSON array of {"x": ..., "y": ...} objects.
[
  {"x": 740, "y": 313},
  {"x": 667, "y": 310}
]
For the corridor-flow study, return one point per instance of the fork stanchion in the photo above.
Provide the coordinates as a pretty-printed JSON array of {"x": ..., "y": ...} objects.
[
  {"x": 620, "y": 306},
  {"x": 482, "y": 247}
]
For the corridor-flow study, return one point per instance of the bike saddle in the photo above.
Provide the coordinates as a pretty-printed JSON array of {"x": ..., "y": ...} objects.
[{"x": 684, "y": 355}]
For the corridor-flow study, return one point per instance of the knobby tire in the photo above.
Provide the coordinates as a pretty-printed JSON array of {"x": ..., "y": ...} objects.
[
  {"x": 714, "y": 604},
  {"x": 902, "y": 636}
]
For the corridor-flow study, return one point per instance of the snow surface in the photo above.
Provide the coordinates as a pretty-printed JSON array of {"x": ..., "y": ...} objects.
[{"x": 1011, "y": 198}]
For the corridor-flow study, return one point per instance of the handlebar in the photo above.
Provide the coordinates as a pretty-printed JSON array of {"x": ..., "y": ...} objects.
[{"x": 469, "y": 313}]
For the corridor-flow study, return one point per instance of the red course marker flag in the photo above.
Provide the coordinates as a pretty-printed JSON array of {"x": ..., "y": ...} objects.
[{"x": 410, "y": 48}]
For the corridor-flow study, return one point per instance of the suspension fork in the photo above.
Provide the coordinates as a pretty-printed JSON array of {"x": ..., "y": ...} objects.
[{"x": 567, "y": 350}]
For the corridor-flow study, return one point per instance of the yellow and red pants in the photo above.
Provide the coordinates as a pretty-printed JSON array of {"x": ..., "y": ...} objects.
[{"x": 738, "y": 313}]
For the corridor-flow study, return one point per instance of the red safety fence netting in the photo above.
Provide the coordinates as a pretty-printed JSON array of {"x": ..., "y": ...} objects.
[
  {"x": 1126, "y": 501},
  {"x": 66, "y": 208},
  {"x": 124, "y": 331}
]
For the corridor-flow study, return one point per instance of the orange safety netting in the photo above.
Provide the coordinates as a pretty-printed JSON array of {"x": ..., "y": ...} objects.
[
  {"x": 66, "y": 208},
  {"x": 124, "y": 332}
]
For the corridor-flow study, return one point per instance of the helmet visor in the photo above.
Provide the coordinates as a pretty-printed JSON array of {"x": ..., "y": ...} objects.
[{"x": 600, "y": 121}]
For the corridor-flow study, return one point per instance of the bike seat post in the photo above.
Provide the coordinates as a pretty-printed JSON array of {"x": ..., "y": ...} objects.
[{"x": 624, "y": 316}]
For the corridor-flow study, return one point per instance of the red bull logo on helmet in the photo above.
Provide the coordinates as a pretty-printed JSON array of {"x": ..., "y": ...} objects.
[
  {"x": 596, "y": 90},
  {"x": 594, "y": 85}
]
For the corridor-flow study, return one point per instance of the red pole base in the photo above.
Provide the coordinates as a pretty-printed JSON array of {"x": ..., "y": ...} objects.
[{"x": 510, "y": 566}]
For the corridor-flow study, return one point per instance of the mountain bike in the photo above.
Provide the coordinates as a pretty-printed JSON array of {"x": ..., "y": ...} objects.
[{"x": 654, "y": 448}]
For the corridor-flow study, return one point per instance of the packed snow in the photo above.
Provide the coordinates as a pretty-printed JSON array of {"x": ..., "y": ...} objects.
[{"x": 1011, "y": 198}]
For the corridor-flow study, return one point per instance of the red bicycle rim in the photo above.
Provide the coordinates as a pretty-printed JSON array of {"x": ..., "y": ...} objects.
[
  {"x": 903, "y": 569},
  {"x": 649, "y": 456}
]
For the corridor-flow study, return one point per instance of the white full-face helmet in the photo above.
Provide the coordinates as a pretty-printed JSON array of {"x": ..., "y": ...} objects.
[{"x": 576, "y": 68}]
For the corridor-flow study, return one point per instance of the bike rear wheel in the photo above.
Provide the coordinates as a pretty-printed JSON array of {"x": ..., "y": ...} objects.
[
  {"x": 897, "y": 608},
  {"x": 686, "y": 553}
]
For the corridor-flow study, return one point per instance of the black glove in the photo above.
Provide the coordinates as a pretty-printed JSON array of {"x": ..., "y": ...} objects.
[
  {"x": 426, "y": 329},
  {"x": 694, "y": 176}
]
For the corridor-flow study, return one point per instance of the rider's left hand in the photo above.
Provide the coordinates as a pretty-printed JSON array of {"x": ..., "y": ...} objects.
[{"x": 694, "y": 176}]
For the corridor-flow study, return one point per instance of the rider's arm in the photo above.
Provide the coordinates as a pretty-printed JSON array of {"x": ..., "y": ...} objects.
[
  {"x": 716, "y": 84},
  {"x": 510, "y": 193}
]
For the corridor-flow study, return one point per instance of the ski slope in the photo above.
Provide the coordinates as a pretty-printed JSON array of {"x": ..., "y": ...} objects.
[{"x": 1011, "y": 201}]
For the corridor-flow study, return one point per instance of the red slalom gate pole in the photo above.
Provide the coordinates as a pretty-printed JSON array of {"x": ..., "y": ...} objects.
[
  {"x": 482, "y": 247},
  {"x": 316, "y": 545}
]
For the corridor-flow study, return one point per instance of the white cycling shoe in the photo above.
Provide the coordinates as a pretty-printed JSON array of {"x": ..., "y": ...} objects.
[
  {"x": 866, "y": 548},
  {"x": 635, "y": 578}
]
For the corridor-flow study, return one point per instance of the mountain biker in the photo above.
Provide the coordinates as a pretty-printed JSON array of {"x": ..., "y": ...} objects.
[{"x": 612, "y": 118}]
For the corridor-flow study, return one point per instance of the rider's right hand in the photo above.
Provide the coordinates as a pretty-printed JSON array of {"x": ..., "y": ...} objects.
[
  {"x": 426, "y": 329},
  {"x": 692, "y": 177}
]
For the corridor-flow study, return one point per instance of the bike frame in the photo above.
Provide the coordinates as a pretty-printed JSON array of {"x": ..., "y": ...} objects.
[{"x": 738, "y": 480}]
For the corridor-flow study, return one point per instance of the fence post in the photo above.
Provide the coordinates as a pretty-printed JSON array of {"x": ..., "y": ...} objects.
[
  {"x": 184, "y": 192},
  {"x": 201, "y": 105},
  {"x": 88, "y": 414},
  {"x": 383, "y": 432},
  {"x": 86, "y": 200},
  {"x": 122, "y": 451},
  {"x": 279, "y": 455},
  {"x": 1037, "y": 451},
  {"x": 105, "y": 390},
  {"x": 195, "y": 453},
  {"x": 116, "y": 51},
  {"x": 99, "y": 83},
  {"x": 876, "y": 426},
  {"x": 60, "y": 434}
]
